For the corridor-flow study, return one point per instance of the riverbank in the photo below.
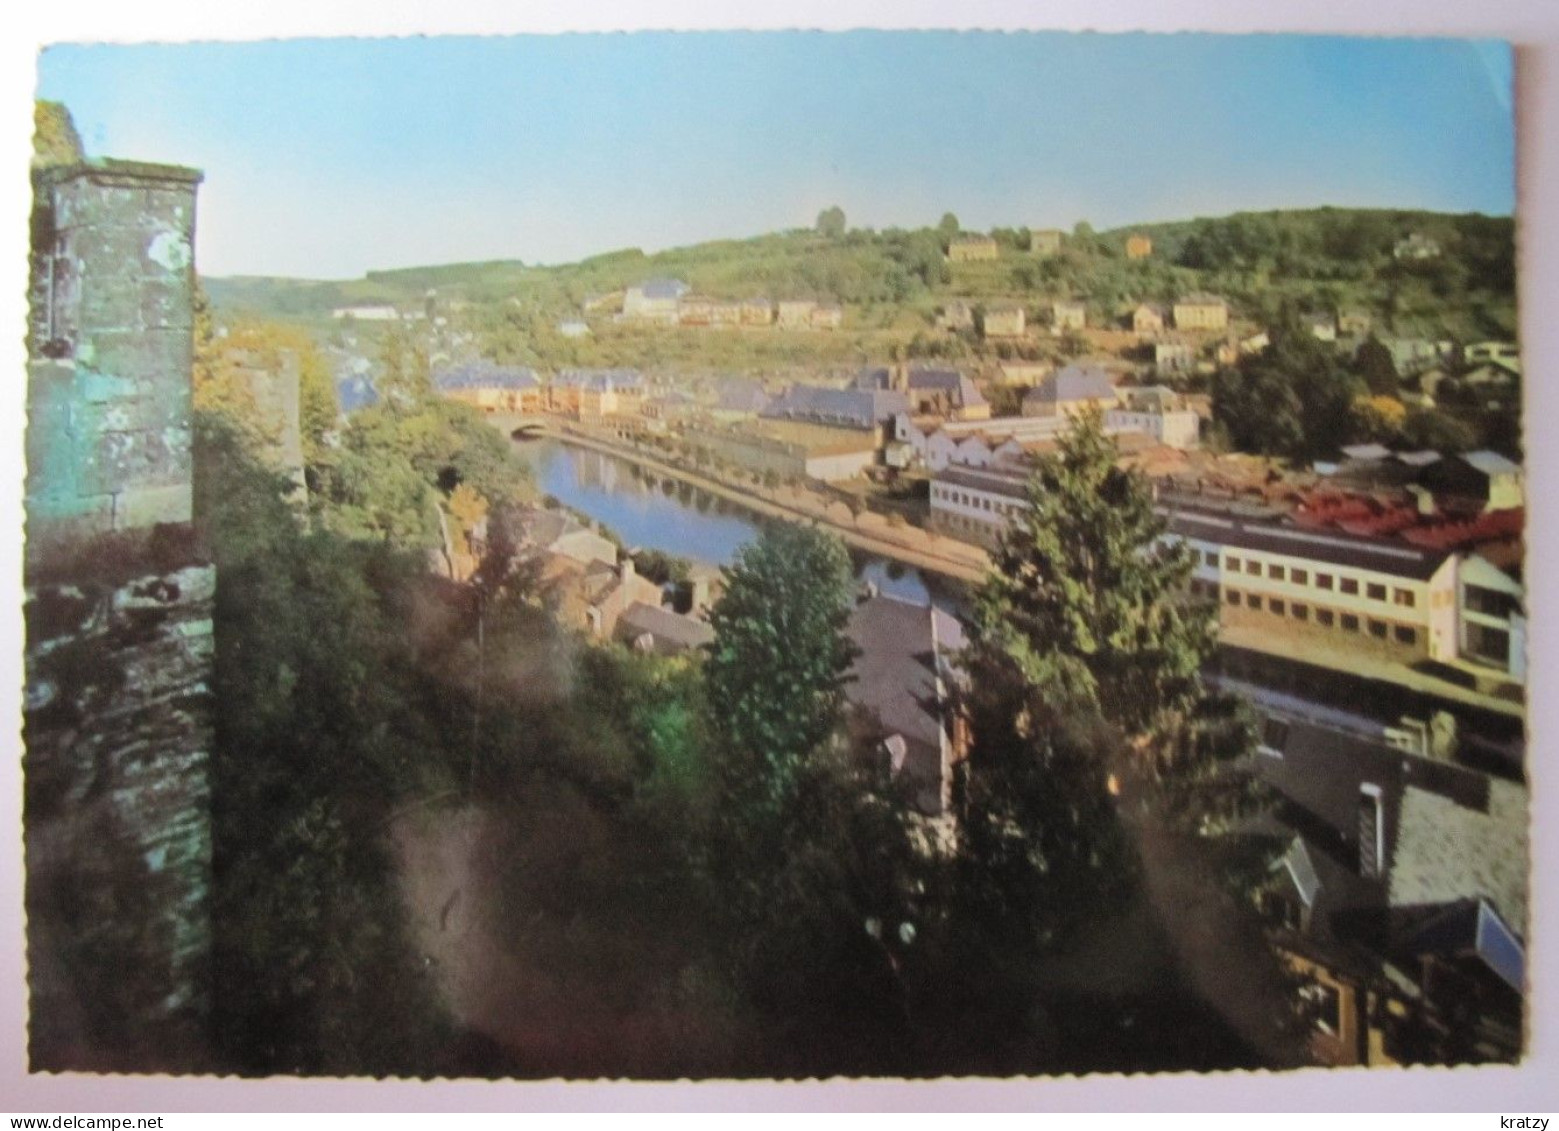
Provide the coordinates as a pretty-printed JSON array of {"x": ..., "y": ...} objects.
[{"x": 870, "y": 533}]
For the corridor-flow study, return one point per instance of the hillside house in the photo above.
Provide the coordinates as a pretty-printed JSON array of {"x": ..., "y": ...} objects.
[
  {"x": 957, "y": 315},
  {"x": 1416, "y": 247},
  {"x": 757, "y": 312},
  {"x": 1068, "y": 314},
  {"x": 654, "y": 301},
  {"x": 1201, "y": 312},
  {"x": 1147, "y": 320},
  {"x": 796, "y": 313},
  {"x": 1004, "y": 320},
  {"x": 971, "y": 248},
  {"x": 1138, "y": 246},
  {"x": 1173, "y": 357},
  {"x": 827, "y": 316},
  {"x": 1071, "y": 390},
  {"x": 1045, "y": 241}
]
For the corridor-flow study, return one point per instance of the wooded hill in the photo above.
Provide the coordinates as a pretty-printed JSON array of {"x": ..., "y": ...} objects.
[{"x": 893, "y": 282}]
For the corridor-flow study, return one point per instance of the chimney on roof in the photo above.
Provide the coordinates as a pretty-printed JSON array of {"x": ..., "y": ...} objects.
[
  {"x": 1423, "y": 499},
  {"x": 1372, "y": 832}
]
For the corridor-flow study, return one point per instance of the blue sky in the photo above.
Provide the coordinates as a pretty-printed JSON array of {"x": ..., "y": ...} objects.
[{"x": 325, "y": 158}]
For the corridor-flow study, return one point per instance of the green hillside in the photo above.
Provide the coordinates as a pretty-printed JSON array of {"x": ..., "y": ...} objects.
[{"x": 892, "y": 283}]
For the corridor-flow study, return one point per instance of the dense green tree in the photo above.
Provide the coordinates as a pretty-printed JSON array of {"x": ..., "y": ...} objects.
[
  {"x": 1084, "y": 601},
  {"x": 830, "y": 222},
  {"x": 777, "y": 667},
  {"x": 318, "y": 736},
  {"x": 948, "y": 225},
  {"x": 1374, "y": 365},
  {"x": 55, "y": 140},
  {"x": 1291, "y": 399}
]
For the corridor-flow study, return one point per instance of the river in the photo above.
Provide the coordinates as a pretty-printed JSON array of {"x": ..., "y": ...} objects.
[{"x": 679, "y": 519}]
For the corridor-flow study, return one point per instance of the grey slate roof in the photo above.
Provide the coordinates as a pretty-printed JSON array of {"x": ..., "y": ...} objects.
[
  {"x": 1379, "y": 555},
  {"x": 1451, "y": 833},
  {"x": 849, "y": 408},
  {"x": 671, "y": 632},
  {"x": 485, "y": 375},
  {"x": 600, "y": 380},
  {"x": 904, "y": 647},
  {"x": 663, "y": 288},
  {"x": 740, "y": 394},
  {"x": 1073, "y": 383}
]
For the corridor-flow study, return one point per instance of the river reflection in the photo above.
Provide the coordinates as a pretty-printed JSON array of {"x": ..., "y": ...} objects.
[{"x": 651, "y": 513}]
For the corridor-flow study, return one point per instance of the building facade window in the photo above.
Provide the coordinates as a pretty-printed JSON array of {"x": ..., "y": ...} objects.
[
  {"x": 1253, "y": 568},
  {"x": 1406, "y": 635},
  {"x": 1375, "y": 592},
  {"x": 1301, "y": 612},
  {"x": 1277, "y": 606},
  {"x": 1350, "y": 623},
  {"x": 1299, "y": 576},
  {"x": 1405, "y": 598},
  {"x": 1348, "y": 585},
  {"x": 1323, "y": 581},
  {"x": 1325, "y": 618},
  {"x": 1378, "y": 629}
]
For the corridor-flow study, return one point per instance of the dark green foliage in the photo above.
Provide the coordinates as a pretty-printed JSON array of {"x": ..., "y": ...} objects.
[
  {"x": 776, "y": 669},
  {"x": 1374, "y": 366},
  {"x": 1291, "y": 399},
  {"x": 1083, "y": 602},
  {"x": 318, "y": 736},
  {"x": 830, "y": 222}
]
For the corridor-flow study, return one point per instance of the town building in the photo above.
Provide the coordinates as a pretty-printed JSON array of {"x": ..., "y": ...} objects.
[
  {"x": 739, "y": 398},
  {"x": 1147, "y": 319},
  {"x": 1399, "y": 896},
  {"x": 1416, "y": 246},
  {"x": 1279, "y": 587},
  {"x": 796, "y": 313},
  {"x": 592, "y": 393},
  {"x": 900, "y": 690},
  {"x": 491, "y": 388},
  {"x": 653, "y": 628},
  {"x": 1045, "y": 241},
  {"x": 1173, "y": 357},
  {"x": 757, "y": 312},
  {"x": 1071, "y": 390},
  {"x": 970, "y": 248},
  {"x": 957, "y": 315},
  {"x": 654, "y": 301},
  {"x": 1068, "y": 314},
  {"x": 367, "y": 312},
  {"x": 1004, "y": 320},
  {"x": 827, "y": 316},
  {"x": 1201, "y": 312},
  {"x": 946, "y": 393}
]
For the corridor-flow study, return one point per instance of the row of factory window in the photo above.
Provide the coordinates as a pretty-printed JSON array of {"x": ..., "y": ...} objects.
[
  {"x": 1348, "y": 586},
  {"x": 979, "y": 502},
  {"x": 1321, "y": 617}
]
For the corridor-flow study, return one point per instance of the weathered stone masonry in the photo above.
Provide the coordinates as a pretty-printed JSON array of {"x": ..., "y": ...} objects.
[{"x": 117, "y": 723}]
